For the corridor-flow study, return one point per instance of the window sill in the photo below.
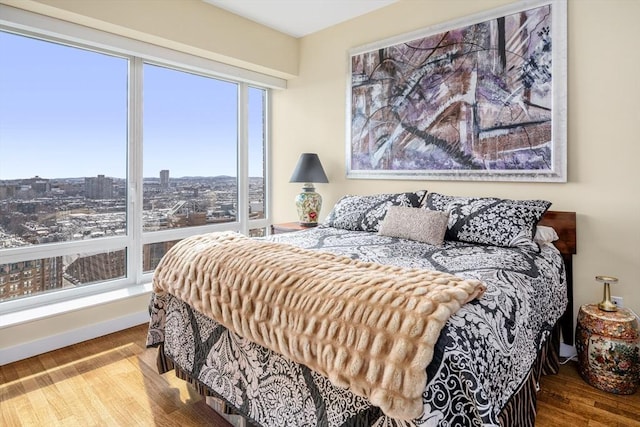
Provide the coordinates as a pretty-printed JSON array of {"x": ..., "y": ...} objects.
[{"x": 38, "y": 313}]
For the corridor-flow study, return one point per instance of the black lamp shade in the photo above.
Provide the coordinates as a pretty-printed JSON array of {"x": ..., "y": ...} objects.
[{"x": 309, "y": 169}]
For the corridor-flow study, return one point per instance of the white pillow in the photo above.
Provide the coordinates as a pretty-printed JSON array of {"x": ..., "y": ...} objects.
[
  {"x": 545, "y": 235},
  {"x": 421, "y": 225}
]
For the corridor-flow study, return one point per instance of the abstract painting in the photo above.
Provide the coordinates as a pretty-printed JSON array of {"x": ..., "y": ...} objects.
[{"x": 483, "y": 98}]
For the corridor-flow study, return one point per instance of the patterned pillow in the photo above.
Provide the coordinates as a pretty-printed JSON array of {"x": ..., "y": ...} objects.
[
  {"x": 364, "y": 213},
  {"x": 490, "y": 221},
  {"x": 421, "y": 225}
]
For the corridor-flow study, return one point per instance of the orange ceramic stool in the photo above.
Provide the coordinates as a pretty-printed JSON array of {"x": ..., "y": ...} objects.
[{"x": 608, "y": 346}]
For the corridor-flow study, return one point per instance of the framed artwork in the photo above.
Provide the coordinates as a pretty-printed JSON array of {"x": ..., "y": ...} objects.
[{"x": 480, "y": 98}]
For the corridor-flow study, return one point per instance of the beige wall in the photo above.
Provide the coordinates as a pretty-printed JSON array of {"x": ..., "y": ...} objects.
[
  {"x": 603, "y": 146},
  {"x": 603, "y": 137}
]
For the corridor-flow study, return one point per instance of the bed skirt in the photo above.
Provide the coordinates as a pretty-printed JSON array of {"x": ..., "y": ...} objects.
[
  {"x": 521, "y": 408},
  {"x": 519, "y": 411}
]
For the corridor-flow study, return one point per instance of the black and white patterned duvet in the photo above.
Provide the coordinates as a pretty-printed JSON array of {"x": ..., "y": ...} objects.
[{"x": 483, "y": 354}]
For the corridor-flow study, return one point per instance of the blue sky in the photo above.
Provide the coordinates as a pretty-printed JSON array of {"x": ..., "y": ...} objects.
[{"x": 63, "y": 114}]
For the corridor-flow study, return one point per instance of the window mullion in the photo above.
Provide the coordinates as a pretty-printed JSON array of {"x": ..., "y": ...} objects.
[
  {"x": 243, "y": 157},
  {"x": 267, "y": 155},
  {"x": 135, "y": 171},
  {"x": 32, "y": 252}
]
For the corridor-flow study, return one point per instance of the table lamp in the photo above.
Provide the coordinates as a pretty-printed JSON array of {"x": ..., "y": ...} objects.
[
  {"x": 607, "y": 304},
  {"x": 308, "y": 170}
]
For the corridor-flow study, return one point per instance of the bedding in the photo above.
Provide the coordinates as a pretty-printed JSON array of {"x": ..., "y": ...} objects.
[
  {"x": 367, "y": 327},
  {"x": 422, "y": 225},
  {"x": 490, "y": 220},
  {"x": 487, "y": 351},
  {"x": 545, "y": 235},
  {"x": 366, "y": 213}
]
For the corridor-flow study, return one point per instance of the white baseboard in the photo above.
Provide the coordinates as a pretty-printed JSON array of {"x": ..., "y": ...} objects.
[{"x": 74, "y": 336}]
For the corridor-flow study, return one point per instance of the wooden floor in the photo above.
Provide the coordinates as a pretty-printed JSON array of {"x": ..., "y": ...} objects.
[{"x": 112, "y": 381}]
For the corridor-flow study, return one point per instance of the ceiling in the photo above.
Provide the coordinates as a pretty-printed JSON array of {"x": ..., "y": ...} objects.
[{"x": 299, "y": 17}]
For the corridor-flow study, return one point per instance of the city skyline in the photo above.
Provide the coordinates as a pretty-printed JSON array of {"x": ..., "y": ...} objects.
[
  {"x": 42, "y": 211},
  {"x": 114, "y": 177}
]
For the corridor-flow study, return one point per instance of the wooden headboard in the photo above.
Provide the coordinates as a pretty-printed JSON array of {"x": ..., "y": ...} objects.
[{"x": 565, "y": 225}]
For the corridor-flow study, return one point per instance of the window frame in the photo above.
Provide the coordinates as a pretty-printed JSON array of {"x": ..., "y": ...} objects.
[{"x": 29, "y": 24}]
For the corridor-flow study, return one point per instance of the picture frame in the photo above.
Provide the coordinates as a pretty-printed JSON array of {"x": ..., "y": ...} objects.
[{"x": 482, "y": 98}]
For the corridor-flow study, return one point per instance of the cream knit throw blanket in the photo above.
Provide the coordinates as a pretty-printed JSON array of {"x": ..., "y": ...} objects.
[{"x": 365, "y": 326}]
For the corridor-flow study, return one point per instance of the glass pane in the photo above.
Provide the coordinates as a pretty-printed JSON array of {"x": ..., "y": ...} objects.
[
  {"x": 153, "y": 252},
  {"x": 257, "y": 132},
  {"x": 63, "y": 145},
  {"x": 28, "y": 278},
  {"x": 190, "y": 149}
]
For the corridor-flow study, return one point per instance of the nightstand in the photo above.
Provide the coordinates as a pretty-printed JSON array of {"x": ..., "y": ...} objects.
[
  {"x": 608, "y": 346},
  {"x": 287, "y": 227}
]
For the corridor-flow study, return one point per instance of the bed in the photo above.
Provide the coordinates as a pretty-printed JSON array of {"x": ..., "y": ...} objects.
[{"x": 489, "y": 354}]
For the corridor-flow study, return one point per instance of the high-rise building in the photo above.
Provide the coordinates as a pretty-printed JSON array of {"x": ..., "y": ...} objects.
[
  {"x": 38, "y": 185},
  {"x": 24, "y": 278},
  {"x": 164, "y": 178},
  {"x": 98, "y": 188}
]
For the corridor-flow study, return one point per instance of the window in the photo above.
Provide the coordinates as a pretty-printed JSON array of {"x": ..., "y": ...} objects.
[
  {"x": 190, "y": 149},
  {"x": 63, "y": 145},
  {"x": 109, "y": 157}
]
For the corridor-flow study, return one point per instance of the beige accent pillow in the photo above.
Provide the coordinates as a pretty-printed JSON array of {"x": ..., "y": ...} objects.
[{"x": 419, "y": 224}]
